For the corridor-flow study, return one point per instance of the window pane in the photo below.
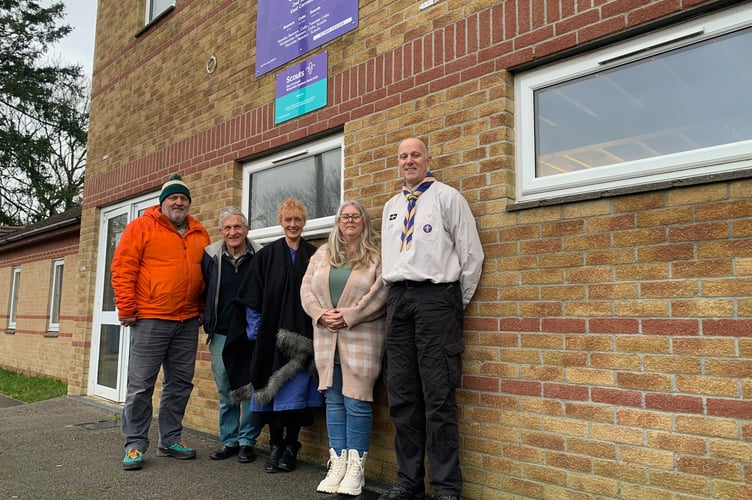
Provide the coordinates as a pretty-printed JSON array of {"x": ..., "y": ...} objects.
[
  {"x": 109, "y": 349},
  {"x": 57, "y": 293},
  {"x": 314, "y": 180},
  {"x": 690, "y": 98},
  {"x": 156, "y": 7},
  {"x": 115, "y": 228},
  {"x": 14, "y": 298},
  {"x": 330, "y": 193}
]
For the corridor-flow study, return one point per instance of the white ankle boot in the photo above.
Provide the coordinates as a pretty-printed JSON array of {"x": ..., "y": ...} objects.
[
  {"x": 354, "y": 479},
  {"x": 337, "y": 467}
]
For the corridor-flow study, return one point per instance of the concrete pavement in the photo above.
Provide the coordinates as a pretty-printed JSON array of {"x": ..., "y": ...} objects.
[
  {"x": 70, "y": 448},
  {"x": 7, "y": 401}
]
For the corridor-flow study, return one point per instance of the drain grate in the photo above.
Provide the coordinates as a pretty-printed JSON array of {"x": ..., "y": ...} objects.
[{"x": 102, "y": 424}]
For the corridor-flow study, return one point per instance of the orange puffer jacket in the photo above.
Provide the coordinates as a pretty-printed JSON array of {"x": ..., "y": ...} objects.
[{"x": 156, "y": 273}]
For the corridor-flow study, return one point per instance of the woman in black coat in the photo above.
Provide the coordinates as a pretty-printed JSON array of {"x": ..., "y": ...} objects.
[{"x": 269, "y": 353}]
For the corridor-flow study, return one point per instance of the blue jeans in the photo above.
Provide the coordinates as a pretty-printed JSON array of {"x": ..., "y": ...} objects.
[
  {"x": 234, "y": 421},
  {"x": 155, "y": 344},
  {"x": 348, "y": 421}
]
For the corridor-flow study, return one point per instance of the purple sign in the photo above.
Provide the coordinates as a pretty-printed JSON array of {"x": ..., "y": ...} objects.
[
  {"x": 302, "y": 75},
  {"x": 286, "y": 29}
]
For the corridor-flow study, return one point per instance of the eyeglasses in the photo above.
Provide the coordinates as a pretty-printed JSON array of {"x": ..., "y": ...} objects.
[{"x": 350, "y": 217}]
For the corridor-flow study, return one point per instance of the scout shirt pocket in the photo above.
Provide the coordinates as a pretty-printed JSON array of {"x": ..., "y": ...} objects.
[{"x": 427, "y": 226}]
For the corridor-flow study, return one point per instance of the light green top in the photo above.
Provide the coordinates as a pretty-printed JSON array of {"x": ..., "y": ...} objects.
[{"x": 338, "y": 277}]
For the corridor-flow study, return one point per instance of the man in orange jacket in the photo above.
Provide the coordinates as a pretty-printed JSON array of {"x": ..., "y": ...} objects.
[{"x": 156, "y": 276}]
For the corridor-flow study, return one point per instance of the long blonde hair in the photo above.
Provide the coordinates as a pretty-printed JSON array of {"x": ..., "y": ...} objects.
[{"x": 369, "y": 246}]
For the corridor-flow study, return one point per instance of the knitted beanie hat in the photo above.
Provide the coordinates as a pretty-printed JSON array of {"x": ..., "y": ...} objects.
[{"x": 174, "y": 185}]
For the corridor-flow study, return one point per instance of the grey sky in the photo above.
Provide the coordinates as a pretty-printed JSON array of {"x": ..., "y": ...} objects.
[{"x": 78, "y": 46}]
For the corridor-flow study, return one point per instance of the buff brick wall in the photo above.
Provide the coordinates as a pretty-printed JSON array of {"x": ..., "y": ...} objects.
[
  {"x": 30, "y": 348},
  {"x": 608, "y": 346}
]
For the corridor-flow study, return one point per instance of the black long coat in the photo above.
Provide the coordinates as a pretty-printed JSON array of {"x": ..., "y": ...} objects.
[{"x": 271, "y": 287}]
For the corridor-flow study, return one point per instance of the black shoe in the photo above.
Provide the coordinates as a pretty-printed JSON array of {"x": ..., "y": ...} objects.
[
  {"x": 399, "y": 493},
  {"x": 289, "y": 459},
  {"x": 448, "y": 497},
  {"x": 246, "y": 455},
  {"x": 272, "y": 463},
  {"x": 225, "y": 453}
]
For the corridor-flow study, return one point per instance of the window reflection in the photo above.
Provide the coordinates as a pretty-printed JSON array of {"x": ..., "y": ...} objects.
[
  {"x": 687, "y": 99},
  {"x": 109, "y": 349},
  {"x": 314, "y": 180}
]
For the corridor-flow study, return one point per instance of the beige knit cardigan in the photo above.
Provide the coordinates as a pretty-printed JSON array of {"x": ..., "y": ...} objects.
[{"x": 361, "y": 344}]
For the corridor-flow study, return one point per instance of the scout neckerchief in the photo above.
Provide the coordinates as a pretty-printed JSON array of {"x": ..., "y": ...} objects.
[{"x": 406, "y": 239}]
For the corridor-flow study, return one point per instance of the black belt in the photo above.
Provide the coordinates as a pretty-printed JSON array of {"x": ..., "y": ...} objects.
[{"x": 417, "y": 284}]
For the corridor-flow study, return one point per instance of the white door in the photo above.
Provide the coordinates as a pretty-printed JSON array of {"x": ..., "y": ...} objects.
[{"x": 108, "y": 368}]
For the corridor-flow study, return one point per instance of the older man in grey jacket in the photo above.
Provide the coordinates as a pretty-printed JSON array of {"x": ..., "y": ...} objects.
[{"x": 224, "y": 266}]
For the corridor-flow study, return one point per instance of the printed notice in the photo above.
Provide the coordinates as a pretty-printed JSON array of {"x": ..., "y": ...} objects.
[
  {"x": 287, "y": 29},
  {"x": 301, "y": 89}
]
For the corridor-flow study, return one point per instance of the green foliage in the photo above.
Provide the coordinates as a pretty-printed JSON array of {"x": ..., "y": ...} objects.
[
  {"x": 43, "y": 116},
  {"x": 30, "y": 389}
]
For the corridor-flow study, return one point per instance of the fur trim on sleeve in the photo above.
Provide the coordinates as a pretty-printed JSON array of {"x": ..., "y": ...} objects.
[
  {"x": 240, "y": 394},
  {"x": 299, "y": 350}
]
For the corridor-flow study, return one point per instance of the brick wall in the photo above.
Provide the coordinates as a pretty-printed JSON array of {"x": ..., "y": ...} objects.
[
  {"x": 31, "y": 348},
  {"x": 620, "y": 360},
  {"x": 609, "y": 342}
]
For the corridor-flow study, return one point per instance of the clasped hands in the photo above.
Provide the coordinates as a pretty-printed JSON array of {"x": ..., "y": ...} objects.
[{"x": 332, "y": 320}]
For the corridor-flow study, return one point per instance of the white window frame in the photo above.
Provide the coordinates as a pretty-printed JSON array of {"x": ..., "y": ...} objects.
[
  {"x": 56, "y": 294},
  {"x": 152, "y": 14},
  {"x": 695, "y": 163},
  {"x": 105, "y": 314},
  {"x": 314, "y": 228},
  {"x": 14, "y": 292}
]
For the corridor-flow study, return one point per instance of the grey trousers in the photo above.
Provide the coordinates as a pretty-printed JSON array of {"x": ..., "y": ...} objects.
[{"x": 155, "y": 344}]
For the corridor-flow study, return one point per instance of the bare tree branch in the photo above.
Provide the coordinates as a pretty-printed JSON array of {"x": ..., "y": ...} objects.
[{"x": 43, "y": 116}]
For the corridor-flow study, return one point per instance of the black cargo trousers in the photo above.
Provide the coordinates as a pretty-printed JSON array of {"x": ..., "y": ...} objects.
[{"x": 423, "y": 369}]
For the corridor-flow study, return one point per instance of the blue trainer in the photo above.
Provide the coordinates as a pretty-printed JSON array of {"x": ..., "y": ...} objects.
[
  {"x": 178, "y": 450},
  {"x": 133, "y": 460}
]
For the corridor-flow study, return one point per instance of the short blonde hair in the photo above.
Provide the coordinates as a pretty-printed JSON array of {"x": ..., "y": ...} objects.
[{"x": 291, "y": 206}]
